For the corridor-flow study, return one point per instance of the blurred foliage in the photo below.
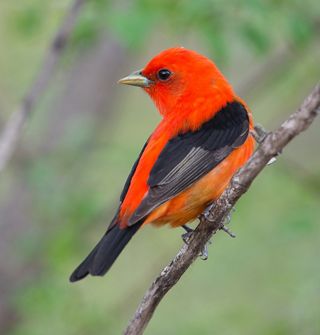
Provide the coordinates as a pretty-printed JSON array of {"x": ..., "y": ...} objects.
[
  {"x": 264, "y": 282},
  {"x": 261, "y": 24}
]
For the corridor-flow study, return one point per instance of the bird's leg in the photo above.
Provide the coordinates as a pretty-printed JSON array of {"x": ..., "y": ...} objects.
[
  {"x": 186, "y": 238},
  {"x": 208, "y": 216},
  {"x": 186, "y": 228},
  {"x": 226, "y": 222}
]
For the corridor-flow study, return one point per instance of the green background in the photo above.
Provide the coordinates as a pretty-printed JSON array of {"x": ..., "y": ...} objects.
[{"x": 61, "y": 188}]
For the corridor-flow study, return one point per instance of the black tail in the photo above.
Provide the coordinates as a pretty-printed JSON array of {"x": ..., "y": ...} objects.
[{"x": 100, "y": 259}]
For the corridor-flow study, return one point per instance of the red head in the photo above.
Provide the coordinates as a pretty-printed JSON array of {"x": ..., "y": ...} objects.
[{"x": 181, "y": 79}]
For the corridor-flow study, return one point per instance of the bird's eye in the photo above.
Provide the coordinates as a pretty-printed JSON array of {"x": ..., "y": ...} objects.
[{"x": 164, "y": 74}]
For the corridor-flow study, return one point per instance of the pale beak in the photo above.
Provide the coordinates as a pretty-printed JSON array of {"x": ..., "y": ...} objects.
[{"x": 136, "y": 79}]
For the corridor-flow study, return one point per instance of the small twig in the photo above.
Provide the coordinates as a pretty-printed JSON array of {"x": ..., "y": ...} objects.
[
  {"x": 12, "y": 130},
  {"x": 273, "y": 143}
]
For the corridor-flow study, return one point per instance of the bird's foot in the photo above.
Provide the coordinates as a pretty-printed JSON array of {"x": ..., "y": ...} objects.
[
  {"x": 226, "y": 222},
  {"x": 204, "y": 254},
  {"x": 259, "y": 134},
  {"x": 228, "y": 231},
  {"x": 208, "y": 216},
  {"x": 186, "y": 238}
]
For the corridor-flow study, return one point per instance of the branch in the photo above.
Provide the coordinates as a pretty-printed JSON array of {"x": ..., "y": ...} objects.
[
  {"x": 12, "y": 130},
  {"x": 273, "y": 143}
]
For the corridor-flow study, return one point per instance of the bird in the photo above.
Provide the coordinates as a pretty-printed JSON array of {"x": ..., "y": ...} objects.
[{"x": 203, "y": 138}]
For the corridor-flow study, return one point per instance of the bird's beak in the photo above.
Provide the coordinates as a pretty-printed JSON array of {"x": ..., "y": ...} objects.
[{"x": 135, "y": 79}]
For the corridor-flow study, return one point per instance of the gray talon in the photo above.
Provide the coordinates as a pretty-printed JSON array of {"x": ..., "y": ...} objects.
[
  {"x": 227, "y": 219},
  {"x": 204, "y": 253},
  {"x": 186, "y": 236},
  {"x": 207, "y": 213},
  {"x": 228, "y": 231}
]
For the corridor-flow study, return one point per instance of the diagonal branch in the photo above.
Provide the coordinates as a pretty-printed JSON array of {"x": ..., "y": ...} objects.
[
  {"x": 12, "y": 130},
  {"x": 273, "y": 143}
]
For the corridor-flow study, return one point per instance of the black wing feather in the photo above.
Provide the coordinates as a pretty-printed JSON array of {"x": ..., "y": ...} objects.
[{"x": 189, "y": 156}]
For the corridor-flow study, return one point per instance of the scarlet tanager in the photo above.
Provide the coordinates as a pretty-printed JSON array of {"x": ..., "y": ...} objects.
[{"x": 187, "y": 162}]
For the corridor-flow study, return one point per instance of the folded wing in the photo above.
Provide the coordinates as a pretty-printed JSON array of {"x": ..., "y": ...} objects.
[{"x": 191, "y": 155}]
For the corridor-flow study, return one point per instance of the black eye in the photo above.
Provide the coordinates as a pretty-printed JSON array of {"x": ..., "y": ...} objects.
[{"x": 164, "y": 74}]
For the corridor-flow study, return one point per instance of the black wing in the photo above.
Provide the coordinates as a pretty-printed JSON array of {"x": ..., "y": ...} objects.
[{"x": 189, "y": 156}]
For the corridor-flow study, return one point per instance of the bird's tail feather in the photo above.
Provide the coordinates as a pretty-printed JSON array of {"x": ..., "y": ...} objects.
[{"x": 101, "y": 258}]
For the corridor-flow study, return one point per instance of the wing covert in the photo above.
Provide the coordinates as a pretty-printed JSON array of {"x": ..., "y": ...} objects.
[{"x": 191, "y": 155}]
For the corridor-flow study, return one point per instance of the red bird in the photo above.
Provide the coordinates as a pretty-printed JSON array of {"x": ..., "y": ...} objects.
[{"x": 187, "y": 162}]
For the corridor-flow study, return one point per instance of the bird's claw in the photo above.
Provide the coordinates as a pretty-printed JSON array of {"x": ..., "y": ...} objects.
[
  {"x": 206, "y": 215},
  {"x": 259, "y": 134},
  {"x": 226, "y": 222},
  {"x": 228, "y": 231},
  {"x": 186, "y": 238},
  {"x": 204, "y": 254},
  {"x": 227, "y": 219}
]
